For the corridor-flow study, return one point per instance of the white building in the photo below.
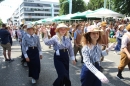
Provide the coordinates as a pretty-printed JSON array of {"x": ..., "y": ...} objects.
[{"x": 33, "y": 10}]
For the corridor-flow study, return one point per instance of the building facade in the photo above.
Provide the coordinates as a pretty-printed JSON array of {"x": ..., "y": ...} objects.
[{"x": 33, "y": 10}]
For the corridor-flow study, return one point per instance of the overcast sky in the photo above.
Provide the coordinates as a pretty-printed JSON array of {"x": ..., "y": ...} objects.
[{"x": 7, "y": 7}]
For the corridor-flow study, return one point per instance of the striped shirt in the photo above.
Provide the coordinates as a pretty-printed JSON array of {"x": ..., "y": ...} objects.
[
  {"x": 65, "y": 44},
  {"x": 30, "y": 41},
  {"x": 92, "y": 55}
]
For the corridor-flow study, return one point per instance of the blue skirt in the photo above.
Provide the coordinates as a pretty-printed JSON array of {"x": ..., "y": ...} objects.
[
  {"x": 34, "y": 64},
  {"x": 88, "y": 78},
  {"x": 118, "y": 46},
  {"x": 61, "y": 64}
]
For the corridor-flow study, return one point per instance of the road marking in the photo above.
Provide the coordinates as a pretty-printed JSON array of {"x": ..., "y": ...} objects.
[{"x": 108, "y": 60}]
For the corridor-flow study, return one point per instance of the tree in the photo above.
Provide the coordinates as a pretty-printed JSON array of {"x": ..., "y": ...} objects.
[
  {"x": 77, "y": 6},
  {"x": 122, "y": 6},
  {"x": 96, "y": 4},
  {"x": 1, "y": 22},
  {"x": 1, "y": 0}
]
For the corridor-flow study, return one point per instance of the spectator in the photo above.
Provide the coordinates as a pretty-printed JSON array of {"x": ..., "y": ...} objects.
[{"x": 6, "y": 42}]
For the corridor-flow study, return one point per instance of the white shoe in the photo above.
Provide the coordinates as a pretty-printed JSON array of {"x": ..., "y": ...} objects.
[
  {"x": 25, "y": 64},
  {"x": 33, "y": 81}
]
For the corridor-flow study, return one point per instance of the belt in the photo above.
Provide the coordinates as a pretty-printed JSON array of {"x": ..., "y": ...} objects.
[
  {"x": 33, "y": 47},
  {"x": 63, "y": 50},
  {"x": 95, "y": 63}
]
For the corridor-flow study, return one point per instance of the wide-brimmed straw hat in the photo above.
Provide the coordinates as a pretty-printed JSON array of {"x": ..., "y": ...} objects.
[
  {"x": 93, "y": 28},
  {"x": 103, "y": 24},
  {"x": 61, "y": 25},
  {"x": 128, "y": 27},
  {"x": 29, "y": 26},
  {"x": 120, "y": 26}
]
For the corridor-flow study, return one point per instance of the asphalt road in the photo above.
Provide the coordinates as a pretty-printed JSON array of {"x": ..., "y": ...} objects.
[{"x": 15, "y": 74}]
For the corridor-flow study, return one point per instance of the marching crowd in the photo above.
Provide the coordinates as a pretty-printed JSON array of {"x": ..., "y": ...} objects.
[{"x": 90, "y": 39}]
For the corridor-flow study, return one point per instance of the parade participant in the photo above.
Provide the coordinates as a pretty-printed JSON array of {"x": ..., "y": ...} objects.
[
  {"x": 90, "y": 74},
  {"x": 23, "y": 33},
  {"x": 6, "y": 42},
  {"x": 77, "y": 38},
  {"x": 125, "y": 53},
  {"x": 104, "y": 39},
  {"x": 63, "y": 50},
  {"x": 119, "y": 35},
  {"x": 31, "y": 49}
]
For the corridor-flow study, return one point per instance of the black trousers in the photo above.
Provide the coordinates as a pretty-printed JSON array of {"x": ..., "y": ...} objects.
[
  {"x": 62, "y": 67},
  {"x": 34, "y": 64}
]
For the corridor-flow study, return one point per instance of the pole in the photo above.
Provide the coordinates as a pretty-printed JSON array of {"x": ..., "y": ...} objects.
[
  {"x": 52, "y": 10},
  {"x": 105, "y": 3},
  {"x": 109, "y": 4},
  {"x": 70, "y": 6}
]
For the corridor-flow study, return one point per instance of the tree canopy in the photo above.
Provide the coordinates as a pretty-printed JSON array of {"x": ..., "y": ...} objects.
[
  {"x": 77, "y": 6},
  {"x": 122, "y": 6},
  {"x": 1, "y": 0}
]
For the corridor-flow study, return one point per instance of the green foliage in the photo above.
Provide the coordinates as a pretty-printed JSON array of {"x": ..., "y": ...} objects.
[
  {"x": 1, "y": 0},
  {"x": 1, "y": 22},
  {"x": 96, "y": 4},
  {"x": 122, "y": 6},
  {"x": 77, "y": 6}
]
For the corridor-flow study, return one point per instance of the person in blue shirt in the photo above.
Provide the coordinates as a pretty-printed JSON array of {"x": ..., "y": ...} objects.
[{"x": 6, "y": 42}]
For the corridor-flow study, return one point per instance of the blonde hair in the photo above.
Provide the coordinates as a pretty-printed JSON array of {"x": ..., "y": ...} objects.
[{"x": 60, "y": 37}]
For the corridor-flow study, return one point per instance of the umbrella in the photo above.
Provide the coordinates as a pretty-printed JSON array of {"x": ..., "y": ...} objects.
[{"x": 103, "y": 12}]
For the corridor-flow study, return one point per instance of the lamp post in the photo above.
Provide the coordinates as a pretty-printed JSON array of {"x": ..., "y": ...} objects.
[
  {"x": 109, "y": 4},
  {"x": 105, "y": 3},
  {"x": 70, "y": 6},
  {"x": 52, "y": 10}
]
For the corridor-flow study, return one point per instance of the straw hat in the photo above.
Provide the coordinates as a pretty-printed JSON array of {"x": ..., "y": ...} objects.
[
  {"x": 47, "y": 26},
  {"x": 103, "y": 24},
  {"x": 29, "y": 26},
  {"x": 93, "y": 28},
  {"x": 120, "y": 26},
  {"x": 62, "y": 25},
  {"x": 128, "y": 27},
  {"x": 24, "y": 26}
]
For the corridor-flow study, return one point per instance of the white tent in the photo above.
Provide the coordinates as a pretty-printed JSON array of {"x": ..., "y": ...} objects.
[{"x": 103, "y": 12}]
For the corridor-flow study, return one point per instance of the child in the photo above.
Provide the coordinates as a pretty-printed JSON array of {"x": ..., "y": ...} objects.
[
  {"x": 91, "y": 75},
  {"x": 31, "y": 49},
  {"x": 63, "y": 50}
]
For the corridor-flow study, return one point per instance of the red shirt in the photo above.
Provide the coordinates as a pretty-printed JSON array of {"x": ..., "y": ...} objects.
[{"x": 52, "y": 32}]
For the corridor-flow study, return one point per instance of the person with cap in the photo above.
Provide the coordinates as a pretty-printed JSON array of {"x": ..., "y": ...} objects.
[
  {"x": 104, "y": 39},
  {"x": 91, "y": 51},
  {"x": 31, "y": 49},
  {"x": 125, "y": 53},
  {"x": 63, "y": 50},
  {"x": 119, "y": 35}
]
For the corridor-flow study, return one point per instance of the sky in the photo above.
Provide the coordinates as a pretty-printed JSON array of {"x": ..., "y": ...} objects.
[{"x": 7, "y": 7}]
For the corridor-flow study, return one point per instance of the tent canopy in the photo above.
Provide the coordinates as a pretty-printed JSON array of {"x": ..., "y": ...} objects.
[
  {"x": 82, "y": 15},
  {"x": 103, "y": 12}
]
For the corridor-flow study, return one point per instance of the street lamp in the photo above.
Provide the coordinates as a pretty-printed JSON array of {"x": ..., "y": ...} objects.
[{"x": 105, "y": 3}]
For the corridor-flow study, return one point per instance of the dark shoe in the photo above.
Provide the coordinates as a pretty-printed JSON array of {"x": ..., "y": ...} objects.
[
  {"x": 6, "y": 59},
  {"x": 76, "y": 60},
  {"x": 120, "y": 77},
  {"x": 10, "y": 60}
]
